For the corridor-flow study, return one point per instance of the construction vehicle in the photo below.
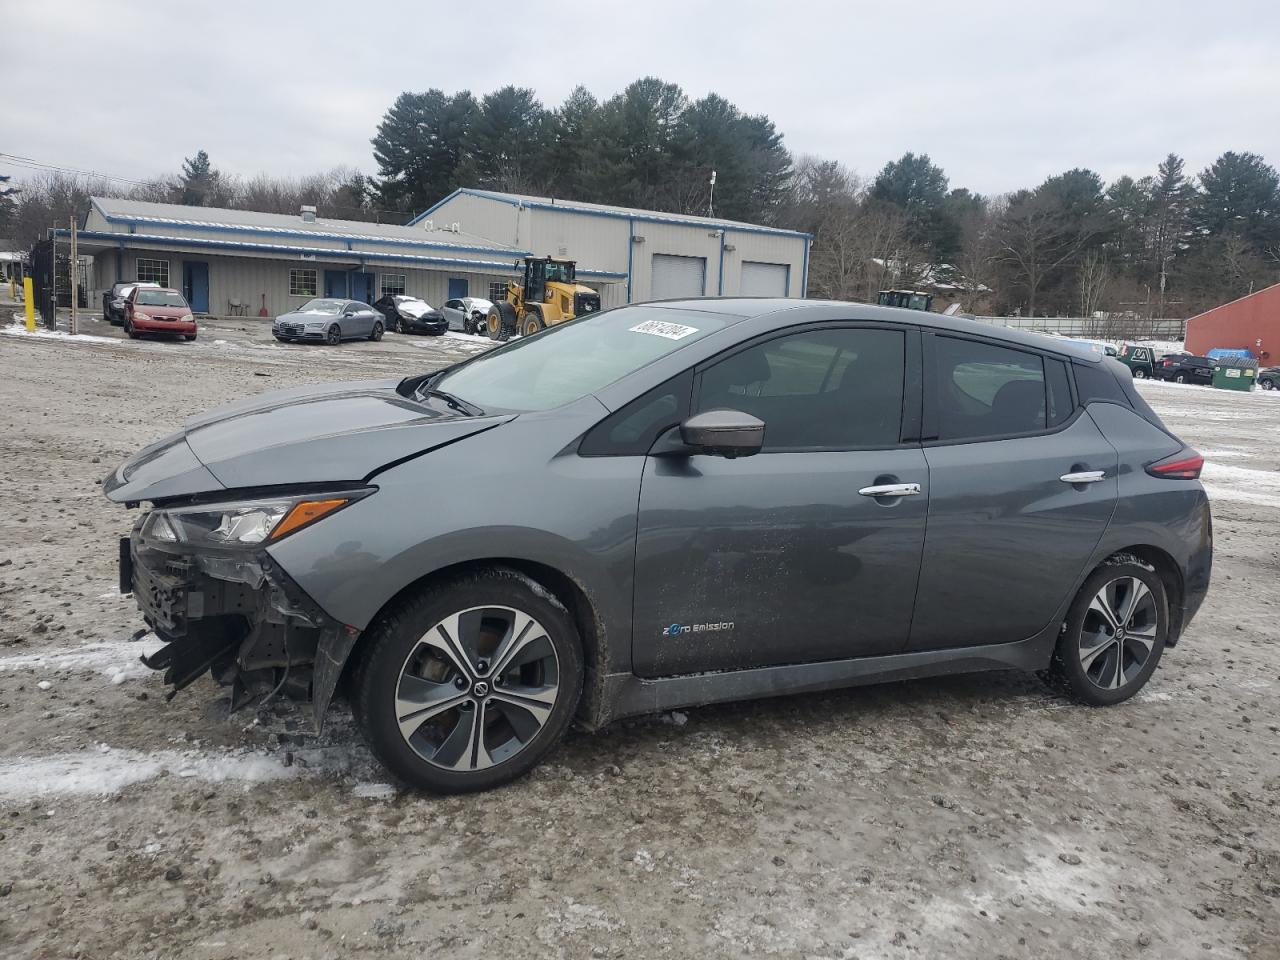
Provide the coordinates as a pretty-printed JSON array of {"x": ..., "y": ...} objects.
[
  {"x": 548, "y": 294},
  {"x": 909, "y": 299}
]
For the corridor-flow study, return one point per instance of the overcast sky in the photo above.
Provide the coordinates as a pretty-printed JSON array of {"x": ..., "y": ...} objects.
[{"x": 999, "y": 94}]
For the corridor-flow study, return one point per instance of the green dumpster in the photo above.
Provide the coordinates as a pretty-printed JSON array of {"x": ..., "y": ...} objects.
[{"x": 1235, "y": 373}]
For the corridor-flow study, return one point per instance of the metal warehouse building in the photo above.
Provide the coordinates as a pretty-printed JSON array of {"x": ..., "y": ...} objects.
[
  {"x": 238, "y": 261},
  {"x": 635, "y": 255},
  {"x": 1252, "y": 323},
  {"x": 229, "y": 262}
]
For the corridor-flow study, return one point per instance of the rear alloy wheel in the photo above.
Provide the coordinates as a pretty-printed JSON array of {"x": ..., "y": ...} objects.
[
  {"x": 1179, "y": 378},
  {"x": 469, "y": 684},
  {"x": 376, "y": 335},
  {"x": 1114, "y": 634},
  {"x": 1139, "y": 373},
  {"x": 1267, "y": 383},
  {"x": 334, "y": 336}
]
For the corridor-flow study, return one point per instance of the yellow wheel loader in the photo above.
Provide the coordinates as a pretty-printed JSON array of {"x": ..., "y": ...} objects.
[{"x": 548, "y": 294}]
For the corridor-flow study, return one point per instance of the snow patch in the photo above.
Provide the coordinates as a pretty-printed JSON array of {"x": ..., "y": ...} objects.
[
  {"x": 104, "y": 771},
  {"x": 374, "y": 791},
  {"x": 18, "y": 328},
  {"x": 117, "y": 660}
]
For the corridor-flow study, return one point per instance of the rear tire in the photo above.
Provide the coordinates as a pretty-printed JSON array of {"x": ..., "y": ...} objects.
[
  {"x": 1139, "y": 374},
  {"x": 376, "y": 334},
  {"x": 1179, "y": 378},
  {"x": 418, "y": 694},
  {"x": 1098, "y": 664},
  {"x": 1267, "y": 383},
  {"x": 533, "y": 322}
]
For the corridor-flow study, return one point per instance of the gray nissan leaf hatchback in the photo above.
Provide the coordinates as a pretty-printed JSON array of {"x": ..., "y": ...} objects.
[{"x": 667, "y": 505}]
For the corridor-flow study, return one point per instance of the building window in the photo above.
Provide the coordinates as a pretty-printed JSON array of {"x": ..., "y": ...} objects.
[
  {"x": 154, "y": 271},
  {"x": 393, "y": 284},
  {"x": 498, "y": 290},
  {"x": 302, "y": 283}
]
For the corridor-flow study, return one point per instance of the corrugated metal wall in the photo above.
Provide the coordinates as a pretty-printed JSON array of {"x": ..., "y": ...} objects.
[
  {"x": 604, "y": 243},
  {"x": 1252, "y": 322},
  {"x": 249, "y": 279}
]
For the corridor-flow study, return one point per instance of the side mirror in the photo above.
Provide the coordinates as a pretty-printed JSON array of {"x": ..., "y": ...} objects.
[
  {"x": 348, "y": 313},
  {"x": 723, "y": 433}
]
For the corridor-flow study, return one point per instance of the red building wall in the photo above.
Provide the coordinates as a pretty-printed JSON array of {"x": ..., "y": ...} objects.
[{"x": 1252, "y": 322}]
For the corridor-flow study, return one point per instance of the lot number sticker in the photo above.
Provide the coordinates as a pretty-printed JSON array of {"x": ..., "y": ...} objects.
[{"x": 672, "y": 331}]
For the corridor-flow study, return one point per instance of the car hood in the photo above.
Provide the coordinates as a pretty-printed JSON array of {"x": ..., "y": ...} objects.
[
  {"x": 300, "y": 317},
  {"x": 161, "y": 311},
  {"x": 335, "y": 433}
]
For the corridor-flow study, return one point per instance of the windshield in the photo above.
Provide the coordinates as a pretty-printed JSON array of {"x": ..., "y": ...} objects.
[
  {"x": 573, "y": 359},
  {"x": 321, "y": 306},
  {"x": 159, "y": 298}
]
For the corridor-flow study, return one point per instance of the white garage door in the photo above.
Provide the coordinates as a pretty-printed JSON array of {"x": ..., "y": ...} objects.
[
  {"x": 763, "y": 279},
  {"x": 678, "y": 276}
]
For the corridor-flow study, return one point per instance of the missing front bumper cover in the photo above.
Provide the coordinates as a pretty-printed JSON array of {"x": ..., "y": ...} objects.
[{"x": 241, "y": 619}]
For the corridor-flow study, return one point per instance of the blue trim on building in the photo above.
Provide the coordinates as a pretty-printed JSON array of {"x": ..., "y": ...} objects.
[
  {"x": 720, "y": 282},
  {"x": 321, "y": 254},
  {"x": 135, "y": 221},
  {"x": 631, "y": 253},
  {"x": 674, "y": 219}
]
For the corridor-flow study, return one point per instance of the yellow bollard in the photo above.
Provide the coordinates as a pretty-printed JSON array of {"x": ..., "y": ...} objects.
[{"x": 29, "y": 296}]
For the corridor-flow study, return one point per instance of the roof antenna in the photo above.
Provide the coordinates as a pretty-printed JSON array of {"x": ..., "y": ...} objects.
[{"x": 711, "y": 199}]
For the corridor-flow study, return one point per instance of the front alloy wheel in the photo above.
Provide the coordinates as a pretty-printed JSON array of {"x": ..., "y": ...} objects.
[
  {"x": 334, "y": 336},
  {"x": 1114, "y": 633},
  {"x": 469, "y": 684}
]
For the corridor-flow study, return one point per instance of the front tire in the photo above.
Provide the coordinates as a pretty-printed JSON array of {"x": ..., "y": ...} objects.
[
  {"x": 469, "y": 684},
  {"x": 129, "y": 332},
  {"x": 501, "y": 321},
  {"x": 334, "y": 335},
  {"x": 1114, "y": 634}
]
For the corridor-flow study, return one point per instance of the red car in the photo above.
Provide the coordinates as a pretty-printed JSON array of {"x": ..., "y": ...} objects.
[{"x": 158, "y": 310}]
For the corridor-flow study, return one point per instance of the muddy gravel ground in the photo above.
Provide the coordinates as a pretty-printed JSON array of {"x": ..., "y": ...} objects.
[{"x": 968, "y": 817}]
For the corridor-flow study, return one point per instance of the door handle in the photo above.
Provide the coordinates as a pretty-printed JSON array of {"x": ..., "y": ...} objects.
[
  {"x": 1084, "y": 476},
  {"x": 891, "y": 490}
]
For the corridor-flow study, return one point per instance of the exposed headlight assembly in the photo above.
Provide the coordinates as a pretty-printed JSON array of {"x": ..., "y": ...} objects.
[{"x": 244, "y": 523}]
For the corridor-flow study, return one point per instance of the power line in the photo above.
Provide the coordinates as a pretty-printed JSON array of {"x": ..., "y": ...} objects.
[{"x": 32, "y": 164}]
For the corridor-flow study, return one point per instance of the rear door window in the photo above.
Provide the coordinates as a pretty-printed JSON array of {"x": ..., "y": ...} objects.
[{"x": 986, "y": 391}]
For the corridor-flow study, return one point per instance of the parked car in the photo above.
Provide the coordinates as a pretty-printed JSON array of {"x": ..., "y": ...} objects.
[
  {"x": 467, "y": 314},
  {"x": 410, "y": 315},
  {"x": 113, "y": 299},
  {"x": 1185, "y": 368},
  {"x": 1269, "y": 378},
  {"x": 329, "y": 320},
  {"x": 1139, "y": 358},
  {"x": 734, "y": 499},
  {"x": 150, "y": 310}
]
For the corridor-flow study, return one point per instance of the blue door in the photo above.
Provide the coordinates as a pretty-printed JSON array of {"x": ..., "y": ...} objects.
[
  {"x": 362, "y": 287},
  {"x": 457, "y": 288},
  {"x": 335, "y": 283},
  {"x": 195, "y": 285}
]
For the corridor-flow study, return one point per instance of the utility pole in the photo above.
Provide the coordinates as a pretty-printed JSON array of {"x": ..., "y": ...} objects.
[{"x": 75, "y": 277}]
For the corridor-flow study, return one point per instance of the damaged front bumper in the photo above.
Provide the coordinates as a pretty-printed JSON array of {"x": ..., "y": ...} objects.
[{"x": 236, "y": 615}]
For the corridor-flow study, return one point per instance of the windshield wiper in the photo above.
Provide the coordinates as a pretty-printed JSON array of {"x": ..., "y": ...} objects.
[{"x": 454, "y": 403}]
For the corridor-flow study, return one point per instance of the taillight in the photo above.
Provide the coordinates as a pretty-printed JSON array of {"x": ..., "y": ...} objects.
[{"x": 1183, "y": 465}]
